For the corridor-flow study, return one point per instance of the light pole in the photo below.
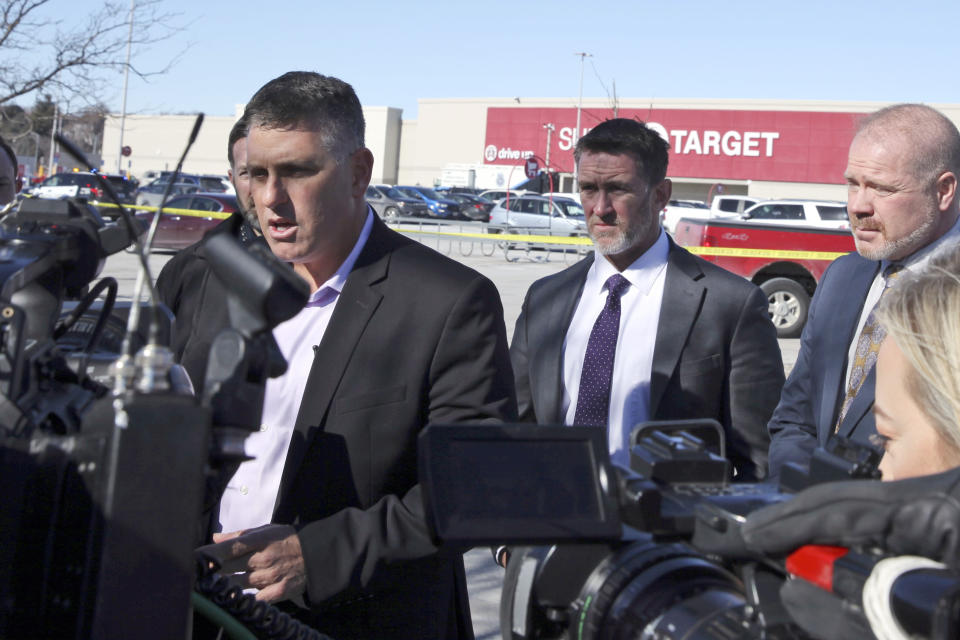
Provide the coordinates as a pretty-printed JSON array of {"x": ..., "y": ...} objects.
[
  {"x": 550, "y": 129},
  {"x": 126, "y": 78},
  {"x": 576, "y": 132}
]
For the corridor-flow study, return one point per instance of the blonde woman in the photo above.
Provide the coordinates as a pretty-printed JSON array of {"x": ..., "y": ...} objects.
[{"x": 917, "y": 406}]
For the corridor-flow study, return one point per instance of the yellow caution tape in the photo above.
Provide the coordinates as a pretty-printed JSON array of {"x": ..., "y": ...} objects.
[
  {"x": 583, "y": 240},
  {"x": 505, "y": 237},
  {"x": 766, "y": 253},
  {"x": 219, "y": 215}
]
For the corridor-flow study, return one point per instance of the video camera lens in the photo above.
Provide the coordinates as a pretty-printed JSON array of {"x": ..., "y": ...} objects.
[
  {"x": 659, "y": 590},
  {"x": 643, "y": 589}
]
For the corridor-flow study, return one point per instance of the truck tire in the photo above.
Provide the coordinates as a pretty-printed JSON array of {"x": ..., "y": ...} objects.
[
  {"x": 788, "y": 305},
  {"x": 391, "y": 215}
]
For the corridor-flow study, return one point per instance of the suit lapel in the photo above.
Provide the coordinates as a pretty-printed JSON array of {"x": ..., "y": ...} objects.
[
  {"x": 844, "y": 312},
  {"x": 558, "y": 308},
  {"x": 862, "y": 403},
  {"x": 682, "y": 301},
  {"x": 357, "y": 303}
]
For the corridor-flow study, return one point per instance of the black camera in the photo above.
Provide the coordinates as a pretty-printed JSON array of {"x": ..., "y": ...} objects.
[
  {"x": 104, "y": 485},
  {"x": 654, "y": 551}
]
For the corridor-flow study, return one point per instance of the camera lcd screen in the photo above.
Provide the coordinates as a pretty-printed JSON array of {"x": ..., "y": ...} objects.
[{"x": 518, "y": 484}]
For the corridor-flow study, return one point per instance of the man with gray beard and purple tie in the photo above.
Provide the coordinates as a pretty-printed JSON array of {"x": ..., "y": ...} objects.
[{"x": 643, "y": 330}]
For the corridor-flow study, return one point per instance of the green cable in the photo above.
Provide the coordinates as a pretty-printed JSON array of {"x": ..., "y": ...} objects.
[{"x": 233, "y": 627}]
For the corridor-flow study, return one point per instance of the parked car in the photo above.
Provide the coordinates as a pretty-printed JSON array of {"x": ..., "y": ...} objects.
[
  {"x": 677, "y": 209},
  {"x": 390, "y": 204},
  {"x": 84, "y": 184},
  {"x": 59, "y": 186},
  {"x": 152, "y": 194},
  {"x": 472, "y": 207},
  {"x": 536, "y": 214},
  {"x": 470, "y": 191},
  {"x": 125, "y": 187},
  {"x": 726, "y": 206},
  {"x": 824, "y": 214},
  {"x": 215, "y": 184},
  {"x": 496, "y": 195},
  {"x": 439, "y": 207},
  {"x": 177, "y": 230},
  {"x": 561, "y": 194}
]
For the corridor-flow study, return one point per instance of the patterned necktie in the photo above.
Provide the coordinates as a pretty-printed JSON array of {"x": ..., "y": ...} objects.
[
  {"x": 593, "y": 400},
  {"x": 868, "y": 345}
]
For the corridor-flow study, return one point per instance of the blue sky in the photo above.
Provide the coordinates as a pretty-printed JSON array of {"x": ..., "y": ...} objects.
[{"x": 395, "y": 53}]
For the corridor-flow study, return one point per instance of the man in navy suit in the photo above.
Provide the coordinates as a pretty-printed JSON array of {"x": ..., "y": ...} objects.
[
  {"x": 643, "y": 330},
  {"x": 902, "y": 200}
]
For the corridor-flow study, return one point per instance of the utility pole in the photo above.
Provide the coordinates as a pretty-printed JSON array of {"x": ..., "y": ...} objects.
[
  {"x": 126, "y": 79},
  {"x": 576, "y": 133},
  {"x": 550, "y": 129}
]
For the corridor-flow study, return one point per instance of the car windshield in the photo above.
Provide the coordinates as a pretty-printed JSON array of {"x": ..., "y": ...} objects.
[
  {"x": 394, "y": 193},
  {"x": 570, "y": 208},
  {"x": 410, "y": 193},
  {"x": 430, "y": 193},
  {"x": 211, "y": 184}
]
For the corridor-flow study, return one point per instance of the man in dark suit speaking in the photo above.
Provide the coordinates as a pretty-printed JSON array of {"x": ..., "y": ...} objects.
[
  {"x": 902, "y": 201},
  {"x": 394, "y": 336},
  {"x": 643, "y": 330}
]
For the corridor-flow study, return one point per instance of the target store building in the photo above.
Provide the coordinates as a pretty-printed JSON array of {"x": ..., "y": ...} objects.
[{"x": 766, "y": 149}]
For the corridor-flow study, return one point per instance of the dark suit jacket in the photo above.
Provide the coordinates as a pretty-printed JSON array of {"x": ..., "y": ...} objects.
[
  {"x": 813, "y": 395},
  {"x": 415, "y": 338},
  {"x": 716, "y": 353},
  {"x": 187, "y": 287}
]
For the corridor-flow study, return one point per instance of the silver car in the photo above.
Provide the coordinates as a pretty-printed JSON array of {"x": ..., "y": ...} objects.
[
  {"x": 390, "y": 204},
  {"x": 152, "y": 194},
  {"x": 538, "y": 215}
]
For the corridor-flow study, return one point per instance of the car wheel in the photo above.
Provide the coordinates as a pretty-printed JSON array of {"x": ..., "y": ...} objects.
[
  {"x": 788, "y": 304},
  {"x": 391, "y": 214}
]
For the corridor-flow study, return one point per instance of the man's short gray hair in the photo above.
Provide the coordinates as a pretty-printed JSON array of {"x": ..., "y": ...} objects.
[{"x": 307, "y": 98}]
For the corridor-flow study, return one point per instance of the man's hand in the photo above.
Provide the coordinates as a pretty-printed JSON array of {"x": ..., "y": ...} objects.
[{"x": 267, "y": 558}]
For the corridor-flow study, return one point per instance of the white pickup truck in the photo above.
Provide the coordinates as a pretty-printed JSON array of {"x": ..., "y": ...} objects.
[
  {"x": 720, "y": 207},
  {"x": 731, "y": 206}
]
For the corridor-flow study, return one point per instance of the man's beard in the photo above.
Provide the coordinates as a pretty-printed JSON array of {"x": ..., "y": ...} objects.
[
  {"x": 250, "y": 215},
  {"x": 902, "y": 247},
  {"x": 622, "y": 239}
]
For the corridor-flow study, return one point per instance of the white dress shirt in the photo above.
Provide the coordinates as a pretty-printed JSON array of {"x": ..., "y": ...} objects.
[
  {"x": 914, "y": 262},
  {"x": 639, "y": 317},
  {"x": 251, "y": 494}
]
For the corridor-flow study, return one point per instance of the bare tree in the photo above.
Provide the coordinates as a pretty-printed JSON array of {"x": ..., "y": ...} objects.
[{"x": 68, "y": 57}]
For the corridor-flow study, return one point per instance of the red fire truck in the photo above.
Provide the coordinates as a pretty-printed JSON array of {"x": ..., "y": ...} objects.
[{"x": 786, "y": 262}]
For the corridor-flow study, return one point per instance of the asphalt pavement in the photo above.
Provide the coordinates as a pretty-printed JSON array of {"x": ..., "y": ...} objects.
[{"x": 512, "y": 270}]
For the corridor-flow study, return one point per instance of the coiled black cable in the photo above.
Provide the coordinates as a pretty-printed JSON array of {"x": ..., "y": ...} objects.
[{"x": 262, "y": 619}]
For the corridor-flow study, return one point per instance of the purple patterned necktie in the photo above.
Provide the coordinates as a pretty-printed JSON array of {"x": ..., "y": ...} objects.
[{"x": 593, "y": 400}]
